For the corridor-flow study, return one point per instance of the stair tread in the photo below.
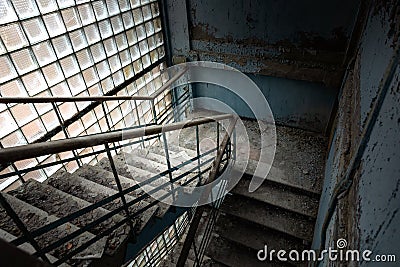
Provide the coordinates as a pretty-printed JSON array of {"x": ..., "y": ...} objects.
[
  {"x": 93, "y": 192},
  {"x": 60, "y": 204},
  {"x": 255, "y": 236},
  {"x": 280, "y": 196},
  {"x": 287, "y": 222},
  {"x": 235, "y": 255},
  {"x": 103, "y": 175},
  {"x": 34, "y": 218}
]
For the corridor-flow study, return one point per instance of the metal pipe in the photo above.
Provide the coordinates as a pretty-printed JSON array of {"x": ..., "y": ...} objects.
[{"x": 52, "y": 147}]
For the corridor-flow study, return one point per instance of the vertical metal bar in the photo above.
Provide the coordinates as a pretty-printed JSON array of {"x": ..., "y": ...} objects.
[
  {"x": 61, "y": 121},
  {"x": 139, "y": 123},
  {"x": 218, "y": 141},
  {"x": 153, "y": 107},
  {"x": 4, "y": 203},
  {"x": 196, "y": 254},
  {"x": 234, "y": 144},
  {"x": 166, "y": 151},
  {"x": 118, "y": 182},
  {"x": 198, "y": 153}
]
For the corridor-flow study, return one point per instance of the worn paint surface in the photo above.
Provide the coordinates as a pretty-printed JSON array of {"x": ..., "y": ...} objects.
[{"x": 368, "y": 216}]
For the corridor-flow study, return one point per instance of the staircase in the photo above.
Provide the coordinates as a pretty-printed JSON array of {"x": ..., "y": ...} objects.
[
  {"x": 280, "y": 214},
  {"x": 38, "y": 204}
]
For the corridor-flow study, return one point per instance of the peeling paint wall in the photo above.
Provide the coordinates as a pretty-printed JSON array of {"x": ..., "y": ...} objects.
[
  {"x": 368, "y": 216},
  {"x": 294, "y": 50}
]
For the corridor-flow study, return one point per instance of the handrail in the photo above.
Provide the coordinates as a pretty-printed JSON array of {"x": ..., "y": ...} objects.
[
  {"x": 26, "y": 100},
  {"x": 200, "y": 210},
  {"x": 13, "y": 154}
]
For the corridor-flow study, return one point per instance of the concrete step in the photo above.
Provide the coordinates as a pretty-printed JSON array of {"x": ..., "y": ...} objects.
[
  {"x": 92, "y": 192},
  {"x": 280, "y": 176},
  {"x": 255, "y": 236},
  {"x": 135, "y": 176},
  {"x": 269, "y": 216},
  {"x": 28, "y": 248},
  {"x": 34, "y": 218},
  {"x": 280, "y": 196},
  {"x": 234, "y": 255},
  {"x": 60, "y": 204}
]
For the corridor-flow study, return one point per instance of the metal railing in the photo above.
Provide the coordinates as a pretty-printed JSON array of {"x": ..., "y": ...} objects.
[{"x": 10, "y": 155}]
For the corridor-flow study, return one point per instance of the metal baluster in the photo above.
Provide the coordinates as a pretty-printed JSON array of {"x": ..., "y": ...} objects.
[
  {"x": 61, "y": 121},
  {"x": 198, "y": 152},
  {"x": 166, "y": 151},
  {"x": 4, "y": 203},
  {"x": 140, "y": 124},
  {"x": 118, "y": 182}
]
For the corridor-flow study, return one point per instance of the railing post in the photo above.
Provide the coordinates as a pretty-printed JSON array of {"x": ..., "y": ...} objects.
[
  {"x": 198, "y": 153},
  {"x": 166, "y": 151},
  {"x": 4, "y": 203},
  {"x": 153, "y": 107},
  {"x": 118, "y": 182},
  {"x": 140, "y": 124},
  {"x": 61, "y": 121}
]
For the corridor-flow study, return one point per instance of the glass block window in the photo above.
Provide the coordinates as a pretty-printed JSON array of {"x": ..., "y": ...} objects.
[{"x": 76, "y": 48}]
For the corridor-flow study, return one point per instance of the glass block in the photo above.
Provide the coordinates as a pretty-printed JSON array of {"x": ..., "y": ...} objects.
[
  {"x": 84, "y": 59},
  {"x": 128, "y": 72},
  {"x": 112, "y": 7},
  {"x": 34, "y": 83},
  {"x": 67, "y": 110},
  {"x": 2, "y": 48},
  {"x": 118, "y": 78},
  {"x": 105, "y": 28},
  {"x": 62, "y": 46},
  {"x": 13, "y": 36},
  {"x": 46, "y": 6},
  {"x": 7, "y": 71},
  {"x": 13, "y": 89},
  {"x": 125, "y": 57},
  {"x": 25, "y": 8},
  {"x": 135, "y": 53},
  {"x": 122, "y": 43},
  {"x": 35, "y": 30},
  {"x": 69, "y": 66},
  {"x": 7, "y": 123},
  {"x": 115, "y": 63},
  {"x": 123, "y": 5},
  {"x": 92, "y": 34},
  {"x": 137, "y": 16},
  {"x": 107, "y": 84},
  {"x": 103, "y": 69},
  {"x": 34, "y": 130},
  {"x": 161, "y": 51},
  {"x": 132, "y": 37},
  {"x": 141, "y": 32},
  {"x": 61, "y": 89},
  {"x": 50, "y": 120},
  {"x": 24, "y": 113},
  {"x": 100, "y": 10},
  {"x": 65, "y": 3},
  {"x": 143, "y": 46},
  {"x": 137, "y": 66},
  {"x": 7, "y": 13},
  {"x": 135, "y": 3},
  {"x": 24, "y": 164},
  {"x": 23, "y": 61},
  {"x": 76, "y": 84},
  {"x": 54, "y": 24},
  {"x": 53, "y": 74},
  {"x": 151, "y": 42},
  {"x": 90, "y": 77},
  {"x": 71, "y": 18},
  {"x": 110, "y": 46},
  {"x": 128, "y": 20},
  {"x": 89, "y": 119},
  {"x": 146, "y": 10},
  {"x": 86, "y": 14},
  {"x": 44, "y": 53},
  {"x": 14, "y": 139},
  {"x": 75, "y": 129},
  {"x": 95, "y": 90},
  {"x": 155, "y": 9},
  {"x": 78, "y": 40},
  {"x": 117, "y": 24},
  {"x": 157, "y": 24},
  {"x": 98, "y": 52},
  {"x": 158, "y": 39}
]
